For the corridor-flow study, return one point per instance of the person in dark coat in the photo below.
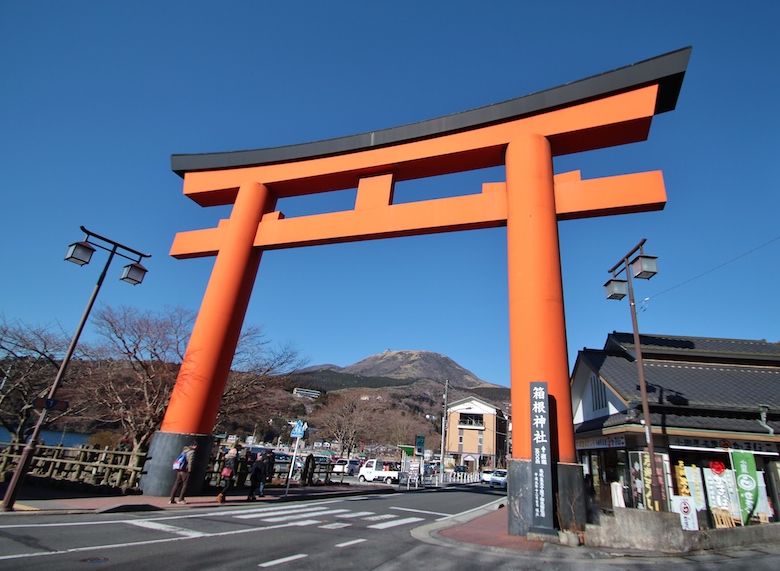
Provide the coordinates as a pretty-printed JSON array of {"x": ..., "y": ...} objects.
[
  {"x": 228, "y": 474},
  {"x": 258, "y": 472},
  {"x": 270, "y": 458}
]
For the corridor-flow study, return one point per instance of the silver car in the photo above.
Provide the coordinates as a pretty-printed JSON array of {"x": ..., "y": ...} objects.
[{"x": 498, "y": 479}]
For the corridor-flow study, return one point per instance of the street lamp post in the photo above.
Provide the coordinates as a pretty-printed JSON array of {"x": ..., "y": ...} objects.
[
  {"x": 79, "y": 253},
  {"x": 443, "y": 433},
  {"x": 644, "y": 267}
]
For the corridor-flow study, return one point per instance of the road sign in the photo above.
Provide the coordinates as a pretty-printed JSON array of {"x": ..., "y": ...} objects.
[
  {"x": 50, "y": 404},
  {"x": 298, "y": 430}
]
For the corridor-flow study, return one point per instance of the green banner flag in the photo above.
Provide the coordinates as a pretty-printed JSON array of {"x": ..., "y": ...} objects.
[{"x": 747, "y": 483}]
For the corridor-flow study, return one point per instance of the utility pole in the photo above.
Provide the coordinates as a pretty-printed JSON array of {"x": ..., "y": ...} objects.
[{"x": 443, "y": 431}]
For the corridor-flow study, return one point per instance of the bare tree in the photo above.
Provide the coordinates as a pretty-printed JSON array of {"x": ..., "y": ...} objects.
[
  {"x": 130, "y": 375},
  {"x": 347, "y": 419},
  {"x": 28, "y": 364}
]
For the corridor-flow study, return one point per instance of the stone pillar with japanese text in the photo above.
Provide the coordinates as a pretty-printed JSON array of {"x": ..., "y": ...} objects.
[{"x": 541, "y": 460}]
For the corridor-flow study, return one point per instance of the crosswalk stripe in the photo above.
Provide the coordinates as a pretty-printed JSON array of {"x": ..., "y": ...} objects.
[
  {"x": 157, "y": 526},
  {"x": 356, "y": 514},
  {"x": 281, "y": 511},
  {"x": 380, "y": 517},
  {"x": 335, "y": 525},
  {"x": 290, "y": 517},
  {"x": 394, "y": 523}
]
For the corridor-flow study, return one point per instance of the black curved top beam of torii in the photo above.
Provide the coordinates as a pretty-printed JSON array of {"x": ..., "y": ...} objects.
[{"x": 666, "y": 71}]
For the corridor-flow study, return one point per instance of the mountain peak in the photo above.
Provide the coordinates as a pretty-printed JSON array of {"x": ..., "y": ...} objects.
[{"x": 407, "y": 364}]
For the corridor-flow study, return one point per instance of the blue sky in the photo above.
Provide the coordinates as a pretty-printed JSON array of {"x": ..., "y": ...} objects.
[{"x": 96, "y": 96}]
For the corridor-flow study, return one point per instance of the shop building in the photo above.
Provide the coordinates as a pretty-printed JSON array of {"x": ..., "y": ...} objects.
[{"x": 715, "y": 415}]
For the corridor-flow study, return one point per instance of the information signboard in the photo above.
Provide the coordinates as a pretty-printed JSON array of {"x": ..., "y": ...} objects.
[{"x": 541, "y": 459}]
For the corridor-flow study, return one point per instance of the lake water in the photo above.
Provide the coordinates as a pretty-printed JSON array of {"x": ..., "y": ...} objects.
[{"x": 52, "y": 438}]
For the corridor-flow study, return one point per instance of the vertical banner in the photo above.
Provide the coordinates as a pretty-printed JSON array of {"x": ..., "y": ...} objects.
[
  {"x": 541, "y": 457},
  {"x": 747, "y": 483},
  {"x": 647, "y": 476}
]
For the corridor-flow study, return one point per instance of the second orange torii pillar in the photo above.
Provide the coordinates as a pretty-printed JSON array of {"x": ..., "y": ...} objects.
[{"x": 537, "y": 330}]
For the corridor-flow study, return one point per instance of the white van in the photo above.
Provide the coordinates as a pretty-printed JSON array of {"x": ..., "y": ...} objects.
[{"x": 348, "y": 467}]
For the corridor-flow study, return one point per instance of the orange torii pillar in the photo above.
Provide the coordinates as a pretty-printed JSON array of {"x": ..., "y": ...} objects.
[{"x": 522, "y": 134}]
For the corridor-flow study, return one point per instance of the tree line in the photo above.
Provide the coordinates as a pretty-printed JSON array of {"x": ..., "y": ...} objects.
[{"x": 123, "y": 378}]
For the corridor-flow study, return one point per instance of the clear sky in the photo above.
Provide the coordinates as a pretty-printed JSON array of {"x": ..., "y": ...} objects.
[{"x": 96, "y": 96}]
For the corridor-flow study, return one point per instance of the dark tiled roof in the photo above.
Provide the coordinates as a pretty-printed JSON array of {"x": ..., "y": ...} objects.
[
  {"x": 689, "y": 385},
  {"x": 720, "y": 422},
  {"x": 701, "y": 346}
]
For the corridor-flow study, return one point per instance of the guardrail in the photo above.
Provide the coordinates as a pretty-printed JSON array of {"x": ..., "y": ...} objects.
[{"x": 461, "y": 477}]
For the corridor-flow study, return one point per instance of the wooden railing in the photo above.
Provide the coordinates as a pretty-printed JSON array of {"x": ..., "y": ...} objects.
[
  {"x": 94, "y": 466},
  {"x": 122, "y": 469}
]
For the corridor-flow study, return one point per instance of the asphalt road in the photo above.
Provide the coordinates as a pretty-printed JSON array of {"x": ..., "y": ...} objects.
[
  {"x": 370, "y": 532},
  {"x": 363, "y": 532}
]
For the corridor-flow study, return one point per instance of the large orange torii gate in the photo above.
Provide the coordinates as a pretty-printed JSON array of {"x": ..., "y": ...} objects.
[{"x": 522, "y": 134}]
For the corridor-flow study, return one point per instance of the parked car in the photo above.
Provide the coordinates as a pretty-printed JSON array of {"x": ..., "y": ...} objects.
[
  {"x": 284, "y": 459},
  {"x": 462, "y": 469},
  {"x": 498, "y": 479},
  {"x": 485, "y": 476},
  {"x": 348, "y": 467}
]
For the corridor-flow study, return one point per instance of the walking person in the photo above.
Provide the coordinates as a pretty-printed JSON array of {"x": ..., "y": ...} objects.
[
  {"x": 183, "y": 466},
  {"x": 258, "y": 472},
  {"x": 270, "y": 459},
  {"x": 228, "y": 473}
]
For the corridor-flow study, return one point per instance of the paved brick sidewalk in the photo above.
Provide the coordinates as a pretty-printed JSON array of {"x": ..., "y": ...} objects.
[{"x": 491, "y": 530}]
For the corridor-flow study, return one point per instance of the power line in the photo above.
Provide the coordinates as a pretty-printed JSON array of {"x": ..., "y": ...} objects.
[{"x": 645, "y": 300}]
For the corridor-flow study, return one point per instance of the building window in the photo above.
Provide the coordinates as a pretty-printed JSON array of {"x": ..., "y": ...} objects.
[
  {"x": 598, "y": 394},
  {"x": 468, "y": 419}
]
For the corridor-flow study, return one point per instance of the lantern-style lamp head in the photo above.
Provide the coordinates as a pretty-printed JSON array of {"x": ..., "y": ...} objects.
[
  {"x": 616, "y": 289},
  {"x": 644, "y": 267},
  {"x": 80, "y": 253},
  {"x": 133, "y": 273}
]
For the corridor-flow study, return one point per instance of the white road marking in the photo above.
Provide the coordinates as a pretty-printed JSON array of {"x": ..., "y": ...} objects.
[
  {"x": 157, "y": 526},
  {"x": 494, "y": 502},
  {"x": 356, "y": 514},
  {"x": 350, "y": 543},
  {"x": 419, "y": 511},
  {"x": 380, "y": 517},
  {"x": 335, "y": 525},
  {"x": 283, "y": 560},
  {"x": 281, "y": 511},
  {"x": 394, "y": 523},
  {"x": 157, "y": 541},
  {"x": 294, "y": 516},
  {"x": 169, "y": 516}
]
